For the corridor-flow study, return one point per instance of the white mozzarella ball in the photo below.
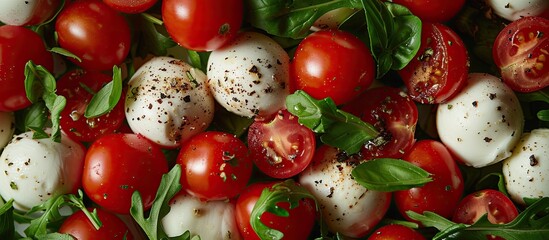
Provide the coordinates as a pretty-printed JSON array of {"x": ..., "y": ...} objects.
[
  {"x": 207, "y": 219},
  {"x": 249, "y": 76},
  {"x": 35, "y": 170},
  {"x": 526, "y": 171},
  {"x": 347, "y": 207},
  {"x": 7, "y": 127},
  {"x": 515, "y": 9},
  {"x": 168, "y": 101},
  {"x": 482, "y": 124}
]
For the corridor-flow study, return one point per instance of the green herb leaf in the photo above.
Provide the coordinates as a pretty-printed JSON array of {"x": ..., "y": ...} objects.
[
  {"x": 108, "y": 96},
  {"x": 55, "y": 236},
  {"x": 199, "y": 59},
  {"x": 337, "y": 128},
  {"x": 543, "y": 115},
  {"x": 7, "y": 226},
  {"x": 33, "y": 117},
  {"x": 65, "y": 52},
  {"x": 287, "y": 191},
  {"x": 388, "y": 175},
  {"x": 151, "y": 38},
  {"x": 484, "y": 181},
  {"x": 169, "y": 186}
]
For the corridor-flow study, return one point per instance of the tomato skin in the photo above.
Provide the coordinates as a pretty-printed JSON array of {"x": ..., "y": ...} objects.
[
  {"x": 18, "y": 45},
  {"x": 500, "y": 208},
  {"x": 202, "y": 25},
  {"x": 214, "y": 165},
  {"x": 439, "y": 69},
  {"x": 443, "y": 193},
  {"x": 116, "y": 165},
  {"x": 73, "y": 121},
  {"x": 94, "y": 32},
  {"x": 332, "y": 63},
  {"x": 296, "y": 226},
  {"x": 283, "y": 147},
  {"x": 396, "y": 232},
  {"x": 433, "y": 10},
  {"x": 132, "y": 7},
  {"x": 79, "y": 226},
  {"x": 520, "y": 50}
]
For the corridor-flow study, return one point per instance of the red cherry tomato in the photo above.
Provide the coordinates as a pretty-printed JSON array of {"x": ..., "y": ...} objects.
[
  {"x": 79, "y": 226},
  {"x": 134, "y": 6},
  {"x": 396, "y": 232},
  {"x": 202, "y": 25},
  {"x": 281, "y": 148},
  {"x": 94, "y": 32},
  {"x": 520, "y": 51},
  {"x": 393, "y": 114},
  {"x": 214, "y": 165},
  {"x": 75, "y": 86},
  {"x": 296, "y": 226},
  {"x": 116, "y": 165},
  {"x": 500, "y": 208},
  {"x": 18, "y": 45},
  {"x": 433, "y": 10},
  {"x": 440, "y": 68},
  {"x": 443, "y": 193},
  {"x": 332, "y": 63}
]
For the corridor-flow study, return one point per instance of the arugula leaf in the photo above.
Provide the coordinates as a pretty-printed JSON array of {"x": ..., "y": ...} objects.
[
  {"x": 55, "y": 236},
  {"x": 532, "y": 224},
  {"x": 169, "y": 186},
  {"x": 287, "y": 191},
  {"x": 108, "y": 96},
  {"x": 337, "y": 128},
  {"x": 388, "y": 175},
  {"x": 7, "y": 226},
  {"x": 500, "y": 182},
  {"x": 289, "y": 18}
]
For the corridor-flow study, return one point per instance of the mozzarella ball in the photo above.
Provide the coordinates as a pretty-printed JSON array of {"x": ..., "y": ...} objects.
[
  {"x": 35, "y": 170},
  {"x": 526, "y": 171},
  {"x": 250, "y": 76},
  {"x": 482, "y": 124},
  {"x": 168, "y": 101},
  {"x": 207, "y": 219},
  {"x": 7, "y": 127},
  {"x": 515, "y": 9}
]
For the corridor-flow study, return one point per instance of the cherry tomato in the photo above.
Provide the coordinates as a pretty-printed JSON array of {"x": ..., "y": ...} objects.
[
  {"x": 433, "y": 10},
  {"x": 500, "y": 208},
  {"x": 520, "y": 51},
  {"x": 134, "y": 6},
  {"x": 281, "y": 148},
  {"x": 396, "y": 232},
  {"x": 296, "y": 226},
  {"x": 75, "y": 86},
  {"x": 443, "y": 193},
  {"x": 202, "y": 25},
  {"x": 332, "y": 63},
  {"x": 440, "y": 68},
  {"x": 79, "y": 226},
  {"x": 94, "y": 32},
  {"x": 116, "y": 165},
  {"x": 18, "y": 45},
  {"x": 393, "y": 114},
  {"x": 214, "y": 165}
]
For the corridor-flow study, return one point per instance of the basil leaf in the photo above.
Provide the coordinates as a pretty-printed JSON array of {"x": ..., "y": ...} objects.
[
  {"x": 65, "y": 52},
  {"x": 289, "y": 18},
  {"x": 388, "y": 175},
  {"x": 543, "y": 115},
  {"x": 7, "y": 226},
  {"x": 55, "y": 236},
  {"x": 150, "y": 37},
  {"x": 199, "y": 59},
  {"x": 108, "y": 96},
  {"x": 405, "y": 39},
  {"x": 337, "y": 128},
  {"x": 33, "y": 117},
  {"x": 169, "y": 186}
]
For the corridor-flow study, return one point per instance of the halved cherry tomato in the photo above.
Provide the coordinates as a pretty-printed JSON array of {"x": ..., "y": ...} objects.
[
  {"x": 500, "y": 208},
  {"x": 283, "y": 147},
  {"x": 79, "y": 226},
  {"x": 396, "y": 232},
  {"x": 520, "y": 51},
  {"x": 440, "y": 67}
]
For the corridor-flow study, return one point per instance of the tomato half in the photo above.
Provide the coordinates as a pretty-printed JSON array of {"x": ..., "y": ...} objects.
[
  {"x": 520, "y": 51},
  {"x": 214, "y": 165},
  {"x": 76, "y": 86},
  {"x": 116, "y": 165},
  {"x": 18, "y": 45},
  {"x": 433, "y": 10},
  {"x": 500, "y": 208},
  {"x": 443, "y": 193},
  {"x": 332, "y": 63},
  {"x": 94, "y": 32},
  {"x": 79, "y": 226},
  {"x": 202, "y": 25},
  {"x": 134, "y": 6},
  {"x": 396, "y": 232},
  {"x": 393, "y": 114},
  {"x": 296, "y": 226},
  {"x": 283, "y": 147},
  {"x": 440, "y": 68}
]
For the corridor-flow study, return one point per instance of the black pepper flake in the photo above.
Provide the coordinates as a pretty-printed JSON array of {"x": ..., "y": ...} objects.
[
  {"x": 533, "y": 160},
  {"x": 487, "y": 139},
  {"x": 332, "y": 189},
  {"x": 475, "y": 104},
  {"x": 187, "y": 98},
  {"x": 492, "y": 96},
  {"x": 508, "y": 5}
]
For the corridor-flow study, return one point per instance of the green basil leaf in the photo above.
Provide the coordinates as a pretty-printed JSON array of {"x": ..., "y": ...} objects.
[
  {"x": 150, "y": 37},
  {"x": 389, "y": 175},
  {"x": 406, "y": 37},
  {"x": 199, "y": 59},
  {"x": 65, "y": 52},
  {"x": 55, "y": 236},
  {"x": 289, "y": 18},
  {"x": 56, "y": 107},
  {"x": 33, "y": 117},
  {"x": 108, "y": 96},
  {"x": 543, "y": 115},
  {"x": 7, "y": 226}
]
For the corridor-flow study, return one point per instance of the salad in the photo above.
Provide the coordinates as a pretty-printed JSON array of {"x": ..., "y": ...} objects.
[{"x": 274, "y": 119}]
